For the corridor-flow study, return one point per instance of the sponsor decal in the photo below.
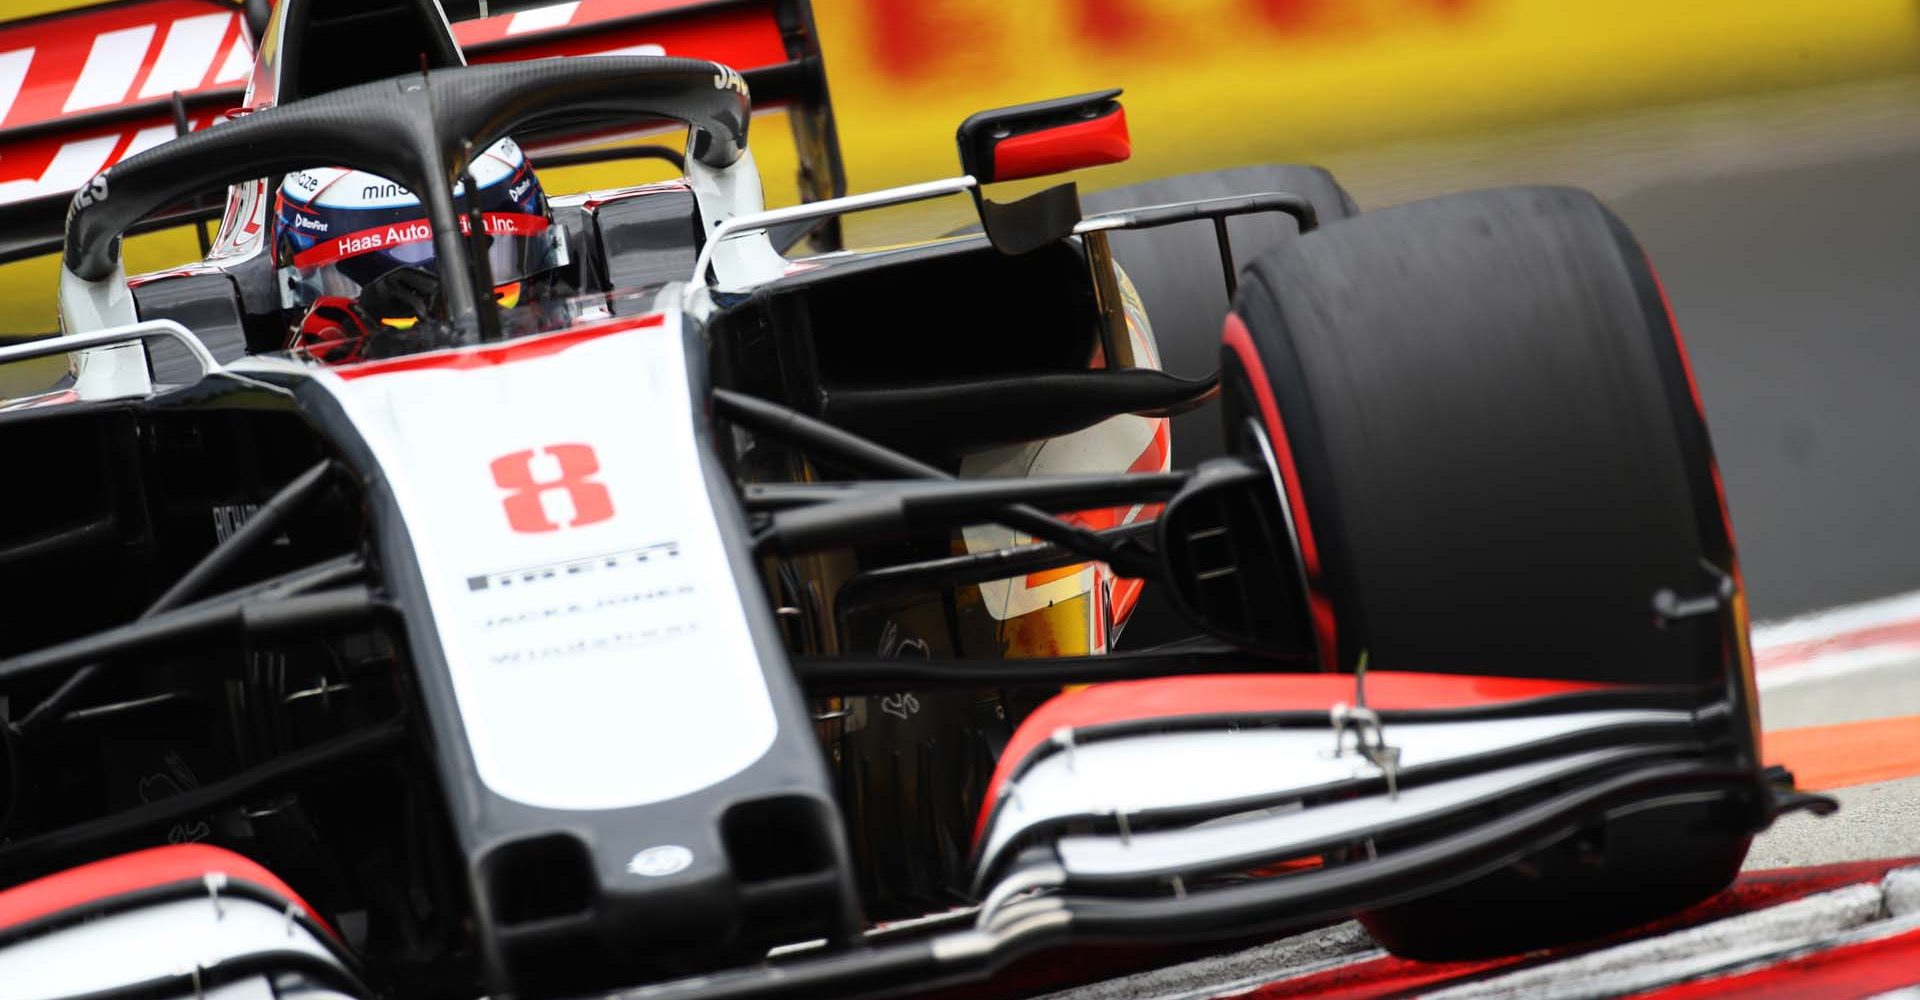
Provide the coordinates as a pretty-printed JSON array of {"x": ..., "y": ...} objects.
[
  {"x": 309, "y": 223},
  {"x": 92, "y": 192},
  {"x": 417, "y": 231},
  {"x": 897, "y": 646},
  {"x": 576, "y": 645},
  {"x": 228, "y": 518},
  {"x": 386, "y": 190},
  {"x": 524, "y": 576},
  {"x": 175, "y": 780},
  {"x": 568, "y": 652},
  {"x": 656, "y": 862},
  {"x": 728, "y": 78},
  {"x": 368, "y": 240},
  {"x": 508, "y": 224},
  {"x": 548, "y": 612},
  {"x": 902, "y": 705}
]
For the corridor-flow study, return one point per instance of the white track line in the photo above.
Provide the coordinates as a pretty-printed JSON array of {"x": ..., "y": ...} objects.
[{"x": 1838, "y": 641}]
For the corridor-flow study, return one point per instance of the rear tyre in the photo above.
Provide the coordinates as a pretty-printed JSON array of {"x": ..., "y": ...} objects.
[{"x": 1494, "y": 459}]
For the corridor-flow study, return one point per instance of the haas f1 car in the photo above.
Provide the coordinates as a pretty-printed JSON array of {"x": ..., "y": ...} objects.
[{"x": 710, "y": 609}]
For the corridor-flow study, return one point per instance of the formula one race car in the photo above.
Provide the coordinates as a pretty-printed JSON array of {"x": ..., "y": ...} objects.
[{"x": 638, "y": 590}]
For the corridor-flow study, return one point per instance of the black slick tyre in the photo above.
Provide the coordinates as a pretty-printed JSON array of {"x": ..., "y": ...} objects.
[{"x": 1494, "y": 461}]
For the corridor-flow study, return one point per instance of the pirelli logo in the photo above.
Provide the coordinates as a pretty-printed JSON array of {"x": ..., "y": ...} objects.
[{"x": 607, "y": 562}]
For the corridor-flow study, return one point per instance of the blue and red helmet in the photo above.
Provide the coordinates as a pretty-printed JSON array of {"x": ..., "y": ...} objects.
[{"x": 337, "y": 231}]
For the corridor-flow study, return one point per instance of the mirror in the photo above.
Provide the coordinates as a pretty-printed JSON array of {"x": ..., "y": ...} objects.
[{"x": 1046, "y": 137}]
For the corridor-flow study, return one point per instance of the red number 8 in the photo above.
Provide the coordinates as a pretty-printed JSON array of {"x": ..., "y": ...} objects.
[{"x": 514, "y": 473}]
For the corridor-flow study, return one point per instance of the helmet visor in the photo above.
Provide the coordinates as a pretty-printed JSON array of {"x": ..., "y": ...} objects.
[{"x": 518, "y": 246}]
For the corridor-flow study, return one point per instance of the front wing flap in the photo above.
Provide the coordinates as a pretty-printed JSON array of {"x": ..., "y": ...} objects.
[{"x": 1229, "y": 830}]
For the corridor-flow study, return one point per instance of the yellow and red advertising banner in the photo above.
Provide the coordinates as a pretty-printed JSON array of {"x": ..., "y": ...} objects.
[
  {"x": 1213, "y": 83},
  {"x": 1225, "y": 82}
]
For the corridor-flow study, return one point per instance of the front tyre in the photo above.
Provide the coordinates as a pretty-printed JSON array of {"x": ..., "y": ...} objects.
[{"x": 1494, "y": 460}]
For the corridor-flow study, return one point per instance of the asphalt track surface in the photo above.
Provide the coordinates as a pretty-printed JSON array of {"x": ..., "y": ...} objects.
[
  {"x": 1786, "y": 230},
  {"x": 1798, "y": 292}
]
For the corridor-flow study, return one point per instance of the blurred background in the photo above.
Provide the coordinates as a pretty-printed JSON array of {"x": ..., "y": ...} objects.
[{"x": 1765, "y": 151}]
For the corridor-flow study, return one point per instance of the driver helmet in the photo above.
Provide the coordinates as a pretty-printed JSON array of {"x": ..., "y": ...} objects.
[{"x": 337, "y": 232}]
